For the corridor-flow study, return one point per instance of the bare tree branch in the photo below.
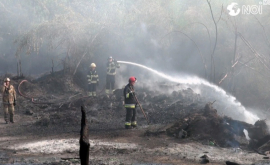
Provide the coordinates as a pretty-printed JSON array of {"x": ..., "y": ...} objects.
[
  {"x": 265, "y": 35},
  {"x": 205, "y": 28},
  {"x": 220, "y": 14},
  {"x": 85, "y": 52},
  {"x": 213, "y": 52},
  {"x": 230, "y": 71},
  {"x": 257, "y": 55},
  {"x": 200, "y": 52}
]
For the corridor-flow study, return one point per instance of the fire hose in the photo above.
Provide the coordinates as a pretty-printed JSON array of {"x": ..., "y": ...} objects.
[{"x": 32, "y": 99}]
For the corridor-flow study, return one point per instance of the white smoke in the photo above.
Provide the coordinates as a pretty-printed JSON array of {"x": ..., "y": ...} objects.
[{"x": 225, "y": 103}]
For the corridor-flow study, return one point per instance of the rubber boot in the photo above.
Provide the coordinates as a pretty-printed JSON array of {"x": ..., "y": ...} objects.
[
  {"x": 128, "y": 125},
  {"x": 134, "y": 124},
  {"x": 90, "y": 94}
]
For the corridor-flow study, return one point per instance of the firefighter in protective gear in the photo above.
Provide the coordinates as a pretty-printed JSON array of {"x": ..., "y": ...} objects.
[
  {"x": 9, "y": 100},
  {"x": 111, "y": 72},
  {"x": 130, "y": 104},
  {"x": 93, "y": 80}
]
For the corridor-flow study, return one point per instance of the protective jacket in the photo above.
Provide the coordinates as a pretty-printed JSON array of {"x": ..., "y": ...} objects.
[
  {"x": 9, "y": 94},
  {"x": 111, "y": 67},
  {"x": 129, "y": 95},
  {"x": 92, "y": 77}
]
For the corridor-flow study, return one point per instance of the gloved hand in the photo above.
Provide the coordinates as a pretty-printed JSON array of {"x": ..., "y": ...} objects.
[
  {"x": 132, "y": 92},
  {"x": 14, "y": 103}
]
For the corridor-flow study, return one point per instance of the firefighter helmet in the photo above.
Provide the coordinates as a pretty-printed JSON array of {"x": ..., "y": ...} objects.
[
  {"x": 6, "y": 79},
  {"x": 132, "y": 79},
  {"x": 93, "y": 65}
]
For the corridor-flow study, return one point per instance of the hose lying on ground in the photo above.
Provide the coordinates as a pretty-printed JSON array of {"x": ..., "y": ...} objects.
[{"x": 31, "y": 98}]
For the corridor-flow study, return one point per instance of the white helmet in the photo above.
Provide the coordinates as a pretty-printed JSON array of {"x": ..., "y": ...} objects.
[
  {"x": 93, "y": 65},
  {"x": 6, "y": 79}
]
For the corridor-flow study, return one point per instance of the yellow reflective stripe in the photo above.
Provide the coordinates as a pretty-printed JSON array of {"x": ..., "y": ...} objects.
[
  {"x": 134, "y": 123},
  {"x": 127, "y": 123},
  {"x": 130, "y": 105},
  {"x": 111, "y": 66},
  {"x": 93, "y": 81},
  {"x": 127, "y": 95},
  {"x": 88, "y": 76},
  {"x": 111, "y": 73}
]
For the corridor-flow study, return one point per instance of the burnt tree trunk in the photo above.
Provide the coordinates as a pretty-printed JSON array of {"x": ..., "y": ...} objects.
[
  {"x": 84, "y": 140},
  {"x": 52, "y": 66},
  {"x": 18, "y": 69}
]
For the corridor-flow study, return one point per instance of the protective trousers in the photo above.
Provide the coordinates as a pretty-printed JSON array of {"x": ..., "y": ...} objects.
[
  {"x": 130, "y": 118},
  {"x": 8, "y": 109},
  {"x": 92, "y": 88},
  {"x": 110, "y": 80}
]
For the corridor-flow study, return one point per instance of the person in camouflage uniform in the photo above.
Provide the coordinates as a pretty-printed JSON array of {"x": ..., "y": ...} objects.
[{"x": 9, "y": 100}]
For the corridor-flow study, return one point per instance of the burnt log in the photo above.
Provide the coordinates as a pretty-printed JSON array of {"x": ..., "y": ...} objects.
[
  {"x": 259, "y": 135},
  {"x": 266, "y": 146},
  {"x": 84, "y": 140},
  {"x": 231, "y": 163}
]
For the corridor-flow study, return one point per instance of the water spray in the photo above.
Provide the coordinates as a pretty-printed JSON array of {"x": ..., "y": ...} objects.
[{"x": 238, "y": 111}]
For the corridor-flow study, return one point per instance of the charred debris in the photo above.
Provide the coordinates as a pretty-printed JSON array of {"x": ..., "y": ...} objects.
[{"x": 178, "y": 112}]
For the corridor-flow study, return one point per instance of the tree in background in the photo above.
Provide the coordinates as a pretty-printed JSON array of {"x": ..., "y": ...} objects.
[{"x": 192, "y": 37}]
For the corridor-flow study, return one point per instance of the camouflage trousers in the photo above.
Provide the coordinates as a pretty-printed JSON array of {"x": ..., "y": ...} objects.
[{"x": 8, "y": 109}]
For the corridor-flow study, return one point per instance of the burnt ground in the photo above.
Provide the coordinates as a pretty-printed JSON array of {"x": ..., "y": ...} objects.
[{"x": 183, "y": 127}]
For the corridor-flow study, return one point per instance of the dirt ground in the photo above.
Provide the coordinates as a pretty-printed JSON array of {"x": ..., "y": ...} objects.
[{"x": 47, "y": 129}]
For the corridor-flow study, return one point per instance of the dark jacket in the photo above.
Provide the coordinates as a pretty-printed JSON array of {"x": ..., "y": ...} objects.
[
  {"x": 111, "y": 67},
  {"x": 92, "y": 77},
  {"x": 130, "y": 101}
]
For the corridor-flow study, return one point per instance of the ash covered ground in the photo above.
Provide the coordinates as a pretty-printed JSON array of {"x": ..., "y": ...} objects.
[{"x": 184, "y": 128}]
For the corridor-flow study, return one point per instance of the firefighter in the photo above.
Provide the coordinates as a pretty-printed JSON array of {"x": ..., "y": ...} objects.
[
  {"x": 9, "y": 100},
  {"x": 93, "y": 80},
  {"x": 111, "y": 72},
  {"x": 130, "y": 104}
]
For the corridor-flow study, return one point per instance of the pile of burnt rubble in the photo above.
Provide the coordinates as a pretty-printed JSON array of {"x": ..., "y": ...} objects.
[
  {"x": 207, "y": 125},
  {"x": 200, "y": 121},
  {"x": 191, "y": 117},
  {"x": 163, "y": 107}
]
